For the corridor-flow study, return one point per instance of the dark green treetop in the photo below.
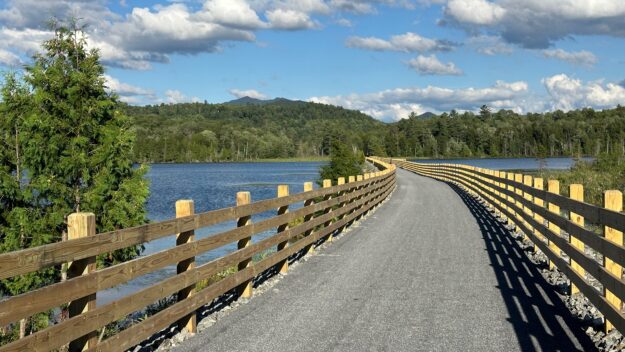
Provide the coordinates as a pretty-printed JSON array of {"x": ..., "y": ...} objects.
[{"x": 344, "y": 161}]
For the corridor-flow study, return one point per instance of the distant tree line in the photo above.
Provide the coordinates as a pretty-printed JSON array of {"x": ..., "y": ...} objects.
[
  {"x": 200, "y": 132},
  {"x": 507, "y": 134}
]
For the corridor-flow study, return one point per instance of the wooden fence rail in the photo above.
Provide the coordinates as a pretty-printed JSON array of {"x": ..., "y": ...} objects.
[
  {"x": 324, "y": 211},
  {"x": 546, "y": 217}
]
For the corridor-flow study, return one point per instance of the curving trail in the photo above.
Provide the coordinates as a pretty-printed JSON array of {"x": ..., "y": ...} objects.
[{"x": 430, "y": 270}]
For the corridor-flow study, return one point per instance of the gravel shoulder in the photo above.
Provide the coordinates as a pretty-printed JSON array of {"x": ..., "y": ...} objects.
[{"x": 430, "y": 270}]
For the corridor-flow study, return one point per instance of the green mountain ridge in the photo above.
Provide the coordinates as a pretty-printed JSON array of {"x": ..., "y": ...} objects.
[
  {"x": 245, "y": 129},
  {"x": 253, "y": 101}
]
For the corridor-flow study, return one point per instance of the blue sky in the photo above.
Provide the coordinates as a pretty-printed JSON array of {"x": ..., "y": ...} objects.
[{"x": 386, "y": 58}]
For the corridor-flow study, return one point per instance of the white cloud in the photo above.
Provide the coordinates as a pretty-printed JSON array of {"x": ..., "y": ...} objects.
[
  {"x": 393, "y": 103},
  {"x": 148, "y": 35},
  {"x": 582, "y": 58},
  {"x": 172, "y": 29},
  {"x": 176, "y": 96},
  {"x": 231, "y": 13},
  {"x": 289, "y": 19},
  {"x": 430, "y": 65},
  {"x": 569, "y": 93},
  {"x": 408, "y": 42},
  {"x": 344, "y": 22},
  {"x": 247, "y": 93},
  {"x": 479, "y": 12},
  {"x": 489, "y": 45},
  {"x": 306, "y": 6},
  {"x": 20, "y": 14},
  {"x": 360, "y": 7},
  {"x": 128, "y": 93},
  {"x": 538, "y": 23},
  {"x": 10, "y": 59}
]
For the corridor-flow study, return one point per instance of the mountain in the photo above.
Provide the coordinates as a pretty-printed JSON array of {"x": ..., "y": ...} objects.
[
  {"x": 247, "y": 129},
  {"x": 253, "y": 101},
  {"x": 426, "y": 115}
]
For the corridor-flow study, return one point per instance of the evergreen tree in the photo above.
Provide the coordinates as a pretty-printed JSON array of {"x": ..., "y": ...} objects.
[
  {"x": 344, "y": 162},
  {"x": 79, "y": 147}
]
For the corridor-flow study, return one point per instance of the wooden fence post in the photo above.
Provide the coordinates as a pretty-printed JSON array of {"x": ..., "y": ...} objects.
[
  {"x": 496, "y": 185},
  {"x": 502, "y": 176},
  {"x": 518, "y": 178},
  {"x": 308, "y": 187},
  {"x": 613, "y": 200},
  {"x": 358, "y": 179},
  {"x": 82, "y": 225},
  {"x": 283, "y": 191},
  {"x": 327, "y": 184},
  {"x": 511, "y": 220},
  {"x": 185, "y": 208},
  {"x": 553, "y": 186},
  {"x": 528, "y": 181},
  {"x": 351, "y": 179},
  {"x": 576, "y": 192},
  {"x": 243, "y": 198},
  {"x": 539, "y": 184},
  {"x": 340, "y": 182}
]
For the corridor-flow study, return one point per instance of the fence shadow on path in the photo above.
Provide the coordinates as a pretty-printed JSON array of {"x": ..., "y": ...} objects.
[{"x": 540, "y": 319}]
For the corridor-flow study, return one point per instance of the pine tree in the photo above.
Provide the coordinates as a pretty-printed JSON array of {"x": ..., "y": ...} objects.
[
  {"x": 79, "y": 147},
  {"x": 344, "y": 162}
]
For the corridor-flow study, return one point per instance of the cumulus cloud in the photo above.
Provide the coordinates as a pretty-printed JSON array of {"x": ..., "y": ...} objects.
[
  {"x": 582, "y": 58},
  {"x": 173, "y": 96},
  {"x": 569, "y": 93},
  {"x": 538, "y": 24},
  {"x": 480, "y": 12},
  {"x": 21, "y": 14},
  {"x": 128, "y": 93},
  {"x": 172, "y": 29},
  {"x": 430, "y": 65},
  {"x": 150, "y": 35},
  {"x": 247, "y": 93},
  {"x": 489, "y": 45},
  {"x": 408, "y": 42},
  {"x": 344, "y": 22},
  {"x": 392, "y": 104},
  {"x": 289, "y": 19},
  {"x": 231, "y": 13}
]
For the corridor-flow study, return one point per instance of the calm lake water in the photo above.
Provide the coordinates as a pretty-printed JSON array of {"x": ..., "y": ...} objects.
[
  {"x": 510, "y": 163},
  {"x": 211, "y": 186}
]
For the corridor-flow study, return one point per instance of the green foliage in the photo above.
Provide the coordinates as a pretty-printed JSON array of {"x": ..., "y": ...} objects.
[
  {"x": 199, "y": 132},
  {"x": 507, "y": 134},
  {"x": 344, "y": 162},
  {"x": 66, "y": 147},
  {"x": 606, "y": 173}
]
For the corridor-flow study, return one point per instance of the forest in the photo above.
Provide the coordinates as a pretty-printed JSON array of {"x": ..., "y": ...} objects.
[{"x": 201, "y": 132}]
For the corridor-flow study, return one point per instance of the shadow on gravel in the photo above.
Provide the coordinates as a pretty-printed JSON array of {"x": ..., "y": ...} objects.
[{"x": 540, "y": 319}]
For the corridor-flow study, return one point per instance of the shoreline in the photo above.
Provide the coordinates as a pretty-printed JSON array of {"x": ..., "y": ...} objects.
[{"x": 270, "y": 160}]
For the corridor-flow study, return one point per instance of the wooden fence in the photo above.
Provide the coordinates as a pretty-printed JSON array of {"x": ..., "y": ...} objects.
[
  {"x": 565, "y": 229},
  {"x": 324, "y": 212}
]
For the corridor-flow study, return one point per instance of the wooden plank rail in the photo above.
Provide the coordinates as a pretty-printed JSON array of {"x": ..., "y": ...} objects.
[
  {"x": 527, "y": 205},
  {"x": 325, "y": 211}
]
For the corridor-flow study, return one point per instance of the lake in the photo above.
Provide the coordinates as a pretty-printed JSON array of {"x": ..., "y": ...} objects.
[
  {"x": 211, "y": 186},
  {"x": 510, "y": 163}
]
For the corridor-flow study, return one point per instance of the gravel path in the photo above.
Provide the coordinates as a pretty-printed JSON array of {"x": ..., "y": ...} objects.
[{"x": 431, "y": 270}]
